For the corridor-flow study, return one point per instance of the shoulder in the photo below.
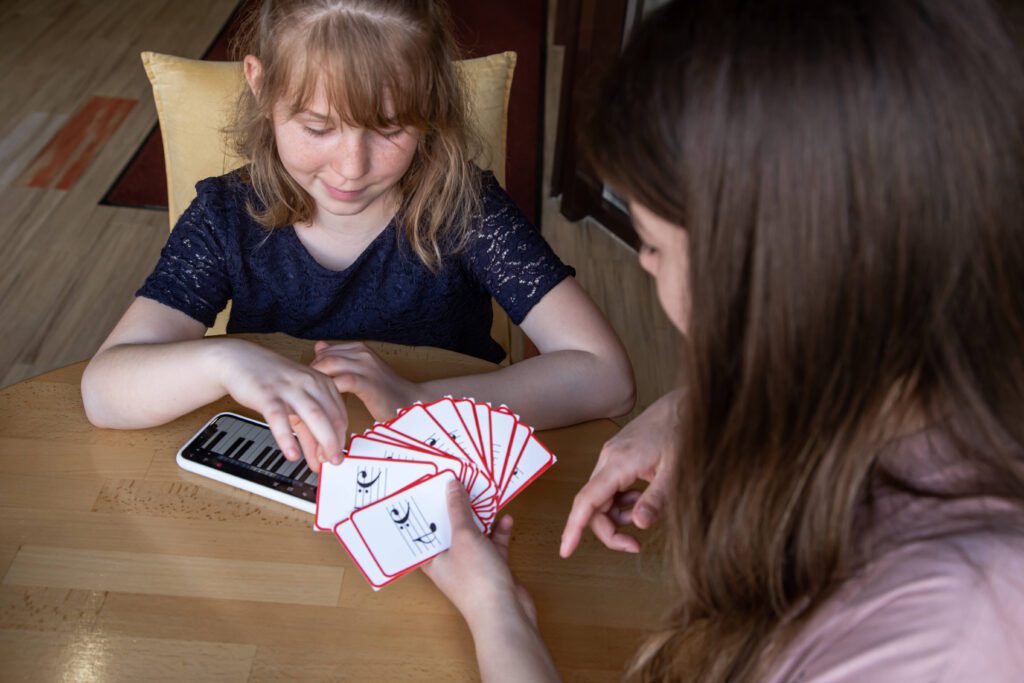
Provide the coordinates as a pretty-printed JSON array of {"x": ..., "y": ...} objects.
[
  {"x": 943, "y": 609},
  {"x": 230, "y": 190},
  {"x": 496, "y": 205},
  {"x": 221, "y": 206},
  {"x": 498, "y": 226}
]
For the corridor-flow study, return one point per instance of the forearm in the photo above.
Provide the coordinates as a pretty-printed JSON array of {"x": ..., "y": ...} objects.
[
  {"x": 509, "y": 648},
  {"x": 131, "y": 386},
  {"x": 551, "y": 390}
]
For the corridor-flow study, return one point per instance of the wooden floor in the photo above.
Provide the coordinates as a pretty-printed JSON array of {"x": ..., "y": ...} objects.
[{"x": 69, "y": 267}]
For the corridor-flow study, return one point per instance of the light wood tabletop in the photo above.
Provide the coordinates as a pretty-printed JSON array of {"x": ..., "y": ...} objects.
[{"x": 119, "y": 565}]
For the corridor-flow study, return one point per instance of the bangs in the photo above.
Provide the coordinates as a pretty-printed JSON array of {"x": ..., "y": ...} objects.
[
  {"x": 374, "y": 65},
  {"x": 373, "y": 75}
]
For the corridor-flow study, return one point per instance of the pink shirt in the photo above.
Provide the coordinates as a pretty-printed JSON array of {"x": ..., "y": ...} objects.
[{"x": 942, "y": 600}]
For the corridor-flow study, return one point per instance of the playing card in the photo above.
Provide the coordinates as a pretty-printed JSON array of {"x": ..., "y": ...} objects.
[
  {"x": 388, "y": 506},
  {"x": 358, "y": 482},
  {"x": 532, "y": 461},
  {"x": 407, "y": 528},
  {"x": 468, "y": 415},
  {"x": 368, "y": 446},
  {"x": 503, "y": 427},
  {"x": 419, "y": 424},
  {"x": 448, "y": 418}
]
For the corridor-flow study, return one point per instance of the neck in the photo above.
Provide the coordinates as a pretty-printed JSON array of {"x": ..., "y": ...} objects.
[
  {"x": 335, "y": 242},
  {"x": 360, "y": 227}
]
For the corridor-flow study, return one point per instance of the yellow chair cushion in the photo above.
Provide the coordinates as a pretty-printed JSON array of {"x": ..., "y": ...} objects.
[{"x": 195, "y": 99}]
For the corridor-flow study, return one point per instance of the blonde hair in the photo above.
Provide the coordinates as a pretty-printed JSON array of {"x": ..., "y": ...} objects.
[{"x": 359, "y": 52}]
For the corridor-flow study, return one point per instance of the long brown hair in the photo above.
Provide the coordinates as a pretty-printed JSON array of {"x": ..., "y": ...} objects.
[
  {"x": 360, "y": 51},
  {"x": 851, "y": 175}
]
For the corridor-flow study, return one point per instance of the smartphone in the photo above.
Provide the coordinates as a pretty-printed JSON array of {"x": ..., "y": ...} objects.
[{"x": 241, "y": 452}]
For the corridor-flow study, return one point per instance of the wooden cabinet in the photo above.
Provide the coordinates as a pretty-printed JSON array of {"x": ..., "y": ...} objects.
[{"x": 593, "y": 33}]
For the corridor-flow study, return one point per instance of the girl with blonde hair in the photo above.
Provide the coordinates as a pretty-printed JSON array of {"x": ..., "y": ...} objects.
[{"x": 360, "y": 216}]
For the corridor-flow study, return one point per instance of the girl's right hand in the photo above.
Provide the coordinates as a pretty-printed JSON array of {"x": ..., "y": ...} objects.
[
  {"x": 643, "y": 449},
  {"x": 474, "y": 572},
  {"x": 289, "y": 396}
]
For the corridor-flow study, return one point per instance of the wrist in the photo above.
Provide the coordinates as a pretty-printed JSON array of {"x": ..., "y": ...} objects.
[
  {"x": 496, "y": 610},
  {"x": 219, "y": 358},
  {"x": 422, "y": 392}
]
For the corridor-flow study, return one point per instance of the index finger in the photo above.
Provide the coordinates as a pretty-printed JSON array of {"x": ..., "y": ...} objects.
[
  {"x": 308, "y": 443},
  {"x": 595, "y": 496},
  {"x": 317, "y": 418},
  {"x": 281, "y": 428}
]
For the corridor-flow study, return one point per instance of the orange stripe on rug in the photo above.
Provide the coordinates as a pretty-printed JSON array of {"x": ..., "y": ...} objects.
[{"x": 67, "y": 155}]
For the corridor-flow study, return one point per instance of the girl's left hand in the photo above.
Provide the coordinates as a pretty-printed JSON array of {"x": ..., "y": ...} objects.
[
  {"x": 474, "y": 572},
  {"x": 357, "y": 370}
]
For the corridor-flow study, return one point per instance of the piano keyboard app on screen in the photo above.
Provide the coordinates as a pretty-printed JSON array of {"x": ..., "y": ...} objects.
[{"x": 386, "y": 501}]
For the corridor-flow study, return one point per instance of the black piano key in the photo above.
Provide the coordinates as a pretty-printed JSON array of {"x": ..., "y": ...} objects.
[
  {"x": 215, "y": 441},
  {"x": 259, "y": 458},
  {"x": 243, "y": 449},
  {"x": 281, "y": 464},
  {"x": 269, "y": 459},
  {"x": 291, "y": 466},
  {"x": 276, "y": 464},
  {"x": 302, "y": 473},
  {"x": 238, "y": 442},
  {"x": 231, "y": 433}
]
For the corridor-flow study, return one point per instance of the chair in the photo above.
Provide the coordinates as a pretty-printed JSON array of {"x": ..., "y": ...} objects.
[{"x": 194, "y": 100}]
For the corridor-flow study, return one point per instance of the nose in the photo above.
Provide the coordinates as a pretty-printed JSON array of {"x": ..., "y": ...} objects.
[{"x": 351, "y": 158}]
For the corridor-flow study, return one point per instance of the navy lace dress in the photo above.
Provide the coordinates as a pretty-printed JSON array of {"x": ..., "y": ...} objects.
[{"x": 217, "y": 252}]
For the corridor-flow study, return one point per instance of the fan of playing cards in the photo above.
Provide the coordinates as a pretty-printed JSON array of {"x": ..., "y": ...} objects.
[{"x": 386, "y": 502}]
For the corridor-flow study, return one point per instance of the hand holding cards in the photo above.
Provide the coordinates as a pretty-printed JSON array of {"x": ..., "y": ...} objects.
[{"x": 386, "y": 501}]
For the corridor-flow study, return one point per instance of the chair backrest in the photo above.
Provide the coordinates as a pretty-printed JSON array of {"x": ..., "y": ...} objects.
[{"x": 195, "y": 99}]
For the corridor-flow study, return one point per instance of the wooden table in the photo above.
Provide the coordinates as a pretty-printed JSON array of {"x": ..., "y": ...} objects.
[{"x": 118, "y": 565}]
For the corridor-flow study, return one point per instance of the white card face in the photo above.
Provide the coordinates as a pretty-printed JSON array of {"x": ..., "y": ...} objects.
[
  {"x": 535, "y": 459},
  {"x": 367, "y": 447},
  {"x": 408, "y": 528},
  {"x": 483, "y": 423},
  {"x": 386, "y": 433},
  {"x": 468, "y": 415},
  {"x": 417, "y": 423},
  {"x": 358, "y": 482},
  {"x": 519, "y": 438},
  {"x": 503, "y": 426},
  {"x": 448, "y": 418},
  {"x": 346, "y": 533}
]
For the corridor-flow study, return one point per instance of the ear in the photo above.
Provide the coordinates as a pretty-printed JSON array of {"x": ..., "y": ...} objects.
[{"x": 253, "y": 68}]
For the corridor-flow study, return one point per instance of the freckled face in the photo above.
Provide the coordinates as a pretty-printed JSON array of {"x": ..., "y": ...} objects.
[
  {"x": 665, "y": 254},
  {"x": 346, "y": 170}
]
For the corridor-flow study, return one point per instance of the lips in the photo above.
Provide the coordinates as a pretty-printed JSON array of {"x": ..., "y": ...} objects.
[{"x": 343, "y": 195}]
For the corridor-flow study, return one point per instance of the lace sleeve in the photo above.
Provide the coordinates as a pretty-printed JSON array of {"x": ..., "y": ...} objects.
[
  {"x": 192, "y": 273},
  {"x": 509, "y": 257}
]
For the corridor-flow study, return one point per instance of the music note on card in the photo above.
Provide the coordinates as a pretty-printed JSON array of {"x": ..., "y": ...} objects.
[
  {"x": 429, "y": 537},
  {"x": 359, "y": 482},
  {"x": 371, "y": 486},
  {"x": 419, "y": 534}
]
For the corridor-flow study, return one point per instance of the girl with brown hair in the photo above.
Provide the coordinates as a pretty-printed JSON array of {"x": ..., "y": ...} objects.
[
  {"x": 831, "y": 198},
  {"x": 360, "y": 216}
]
